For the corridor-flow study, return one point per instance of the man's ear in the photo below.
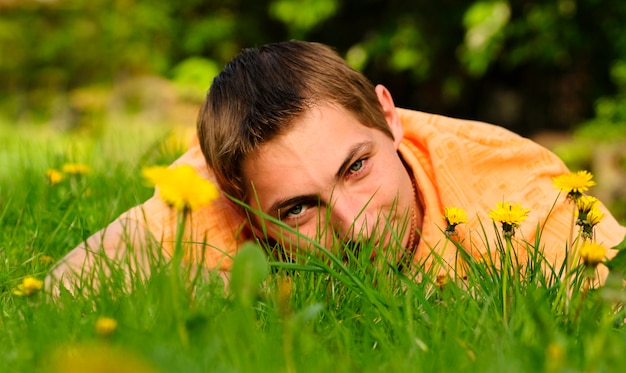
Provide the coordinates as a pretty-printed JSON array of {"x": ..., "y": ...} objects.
[{"x": 391, "y": 115}]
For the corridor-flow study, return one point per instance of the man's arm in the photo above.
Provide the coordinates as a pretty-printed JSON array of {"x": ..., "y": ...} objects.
[
  {"x": 145, "y": 235},
  {"x": 121, "y": 238}
]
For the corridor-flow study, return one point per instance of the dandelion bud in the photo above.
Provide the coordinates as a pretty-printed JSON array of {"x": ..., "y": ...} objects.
[
  {"x": 594, "y": 216},
  {"x": 453, "y": 217},
  {"x": 584, "y": 205},
  {"x": 441, "y": 281}
]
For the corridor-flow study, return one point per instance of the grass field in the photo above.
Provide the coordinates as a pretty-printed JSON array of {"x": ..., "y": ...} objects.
[{"x": 322, "y": 315}]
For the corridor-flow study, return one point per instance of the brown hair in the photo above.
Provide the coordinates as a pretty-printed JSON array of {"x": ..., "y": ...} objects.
[{"x": 261, "y": 92}]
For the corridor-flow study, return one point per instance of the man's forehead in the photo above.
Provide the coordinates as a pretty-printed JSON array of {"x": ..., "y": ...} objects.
[
  {"x": 309, "y": 158},
  {"x": 307, "y": 130}
]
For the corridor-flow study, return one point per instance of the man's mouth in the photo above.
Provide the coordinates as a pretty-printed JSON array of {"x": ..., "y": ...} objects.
[{"x": 373, "y": 256}]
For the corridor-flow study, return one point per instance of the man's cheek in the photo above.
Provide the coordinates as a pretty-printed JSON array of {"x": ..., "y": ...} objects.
[
  {"x": 301, "y": 241},
  {"x": 288, "y": 239}
]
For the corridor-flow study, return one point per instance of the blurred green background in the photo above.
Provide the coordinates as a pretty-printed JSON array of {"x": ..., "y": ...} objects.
[{"x": 554, "y": 70}]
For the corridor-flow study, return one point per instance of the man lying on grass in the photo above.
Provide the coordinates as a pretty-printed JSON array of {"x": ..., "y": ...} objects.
[{"x": 293, "y": 132}]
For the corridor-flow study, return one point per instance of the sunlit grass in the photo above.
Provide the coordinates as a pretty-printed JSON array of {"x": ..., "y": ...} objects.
[{"x": 324, "y": 313}]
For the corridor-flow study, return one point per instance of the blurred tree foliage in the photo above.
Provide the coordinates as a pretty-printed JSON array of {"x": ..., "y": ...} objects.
[{"x": 525, "y": 64}]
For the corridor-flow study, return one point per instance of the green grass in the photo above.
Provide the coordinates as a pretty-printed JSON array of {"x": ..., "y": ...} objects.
[{"x": 323, "y": 314}]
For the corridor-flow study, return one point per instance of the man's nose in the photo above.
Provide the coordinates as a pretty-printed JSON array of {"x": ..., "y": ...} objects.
[{"x": 350, "y": 217}]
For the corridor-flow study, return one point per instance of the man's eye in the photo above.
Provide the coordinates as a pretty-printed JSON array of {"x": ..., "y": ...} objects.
[
  {"x": 296, "y": 210},
  {"x": 356, "y": 166}
]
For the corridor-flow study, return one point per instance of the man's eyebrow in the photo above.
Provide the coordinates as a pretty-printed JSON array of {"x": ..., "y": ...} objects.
[
  {"x": 284, "y": 203},
  {"x": 349, "y": 159}
]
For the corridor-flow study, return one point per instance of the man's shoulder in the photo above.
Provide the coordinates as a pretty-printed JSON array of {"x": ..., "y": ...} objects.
[
  {"x": 420, "y": 125},
  {"x": 415, "y": 117}
]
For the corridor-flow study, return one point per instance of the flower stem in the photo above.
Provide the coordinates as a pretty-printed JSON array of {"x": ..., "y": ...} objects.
[
  {"x": 586, "y": 287},
  {"x": 505, "y": 276},
  {"x": 175, "y": 277},
  {"x": 570, "y": 262}
]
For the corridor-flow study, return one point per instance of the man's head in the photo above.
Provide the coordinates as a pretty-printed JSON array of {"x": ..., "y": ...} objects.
[
  {"x": 292, "y": 130},
  {"x": 260, "y": 94}
]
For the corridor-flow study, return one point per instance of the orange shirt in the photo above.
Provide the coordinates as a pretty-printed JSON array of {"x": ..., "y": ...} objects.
[
  {"x": 473, "y": 166},
  {"x": 459, "y": 163}
]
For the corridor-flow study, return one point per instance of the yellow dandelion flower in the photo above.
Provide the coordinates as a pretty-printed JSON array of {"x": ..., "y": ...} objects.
[
  {"x": 574, "y": 183},
  {"x": 510, "y": 215},
  {"x": 76, "y": 168},
  {"x": 29, "y": 286},
  {"x": 592, "y": 253},
  {"x": 105, "y": 326},
  {"x": 54, "y": 176},
  {"x": 454, "y": 216},
  {"x": 181, "y": 186}
]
